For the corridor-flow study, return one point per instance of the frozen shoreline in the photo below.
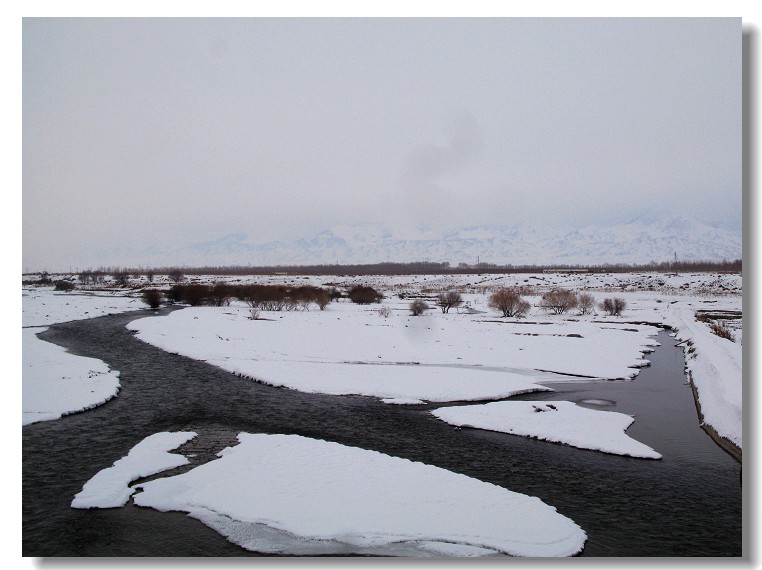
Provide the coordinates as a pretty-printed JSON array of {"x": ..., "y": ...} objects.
[{"x": 56, "y": 383}]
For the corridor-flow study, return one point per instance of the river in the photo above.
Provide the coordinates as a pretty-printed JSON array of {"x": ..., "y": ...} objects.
[{"x": 687, "y": 504}]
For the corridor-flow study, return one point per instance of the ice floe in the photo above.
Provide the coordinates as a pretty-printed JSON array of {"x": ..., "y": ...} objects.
[
  {"x": 555, "y": 421},
  {"x": 110, "y": 487},
  {"x": 289, "y": 494}
]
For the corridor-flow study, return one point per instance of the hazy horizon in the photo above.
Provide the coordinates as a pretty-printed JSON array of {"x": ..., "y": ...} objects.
[{"x": 141, "y": 133}]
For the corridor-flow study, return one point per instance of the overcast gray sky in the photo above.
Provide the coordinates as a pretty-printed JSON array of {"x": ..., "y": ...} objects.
[{"x": 171, "y": 131}]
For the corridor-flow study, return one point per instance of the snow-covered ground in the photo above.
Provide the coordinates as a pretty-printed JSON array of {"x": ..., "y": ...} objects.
[
  {"x": 54, "y": 382},
  {"x": 289, "y": 494},
  {"x": 556, "y": 421},
  {"x": 271, "y": 493},
  {"x": 461, "y": 356},
  {"x": 42, "y": 306}
]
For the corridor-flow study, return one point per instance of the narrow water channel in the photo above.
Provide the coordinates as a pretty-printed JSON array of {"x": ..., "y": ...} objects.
[{"x": 688, "y": 504}]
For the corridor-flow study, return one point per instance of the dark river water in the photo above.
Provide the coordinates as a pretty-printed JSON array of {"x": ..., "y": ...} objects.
[{"x": 687, "y": 504}]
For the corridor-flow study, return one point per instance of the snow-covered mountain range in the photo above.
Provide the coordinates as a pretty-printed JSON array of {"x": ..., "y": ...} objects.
[{"x": 641, "y": 240}]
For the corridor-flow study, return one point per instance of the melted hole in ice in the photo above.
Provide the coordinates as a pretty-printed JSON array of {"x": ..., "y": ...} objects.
[{"x": 597, "y": 402}]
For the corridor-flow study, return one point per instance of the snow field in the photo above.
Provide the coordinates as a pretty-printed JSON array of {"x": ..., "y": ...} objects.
[
  {"x": 358, "y": 501},
  {"x": 555, "y": 421},
  {"x": 43, "y": 306}
]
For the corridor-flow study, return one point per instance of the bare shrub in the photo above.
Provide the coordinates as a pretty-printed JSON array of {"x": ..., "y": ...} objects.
[
  {"x": 449, "y": 299},
  {"x": 175, "y": 294},
  {"x": 585, "y": 303},
  {"x": 271, "y": 304},
  {"x": 304, "y": 295},
  {"x": 150, "y": 274},
  {"x": 253, "y": 314},
  {"x": 194, "y": 295},
  {"x": 121, "y": 278},
  {"x": 558, "y": 301},
  {"x": 265, "y": 297},
  {"x": 323, "y": 298},
  {"x": 247, "y": 294},
  {"x": 152, "y": 298},
  {"x": 219, "y": 295},
  {"x": 364, "y": 295},
  {"x": 418, "y": 307},
  {"x": 384, "y": 312},
  {"x": 63, "y": 285},
  {"x": 335, "y": 294},
  {"x": 613, "y": 307},
  {"x": 176, "y": 275},
  {"x": 721, "y": 330},
  {"x": 508, "y": 302}
]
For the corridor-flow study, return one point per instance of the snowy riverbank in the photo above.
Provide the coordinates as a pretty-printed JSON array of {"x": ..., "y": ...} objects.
[
  {"x": 408, "y": 360},
  {"x": 472, "y": 354},
  {"x": 54, "y": 382}
]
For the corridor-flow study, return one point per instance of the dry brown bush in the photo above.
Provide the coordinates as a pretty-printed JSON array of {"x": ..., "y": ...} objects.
[
  {"x": 152, "y": 297},
  {"x": 418, "y": 307},
  {"x": 449, "y": 299},
  {"x": 613, "y": 306},
  {"x": 558, "y": 301},
  {"x": 364, "y": 295},
  {"x": 508, "y": 302},
  {"x": 721, "y": 330},
  {"x": 585, "y": 303}
]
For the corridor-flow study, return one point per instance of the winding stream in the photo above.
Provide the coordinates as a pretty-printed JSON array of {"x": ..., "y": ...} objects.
[{"x": 687, "y": 504}]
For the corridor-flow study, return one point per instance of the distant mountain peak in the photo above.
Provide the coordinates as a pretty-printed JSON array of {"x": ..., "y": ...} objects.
[{"x": 641, "y": 240}]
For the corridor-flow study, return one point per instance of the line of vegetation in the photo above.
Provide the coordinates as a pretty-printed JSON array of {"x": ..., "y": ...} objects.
[
  {"x": 716, "y": 324},
  {"x": 260, "y": 297},
  {"x": 412, "y": 268}
]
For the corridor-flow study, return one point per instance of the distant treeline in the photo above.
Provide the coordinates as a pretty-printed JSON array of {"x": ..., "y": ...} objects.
[{"x": 427, "y": 268}]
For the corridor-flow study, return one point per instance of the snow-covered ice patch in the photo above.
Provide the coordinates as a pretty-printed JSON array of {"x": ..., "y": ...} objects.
[
  {"x": 393, "y": 383},
  {"x": 287, "y": 494},
  {"x": 559, "y": 422},
  {"x": 349, "y": 350},
  {"x": 110, "y": 487},
  {"x": 56, "y": 383}
]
